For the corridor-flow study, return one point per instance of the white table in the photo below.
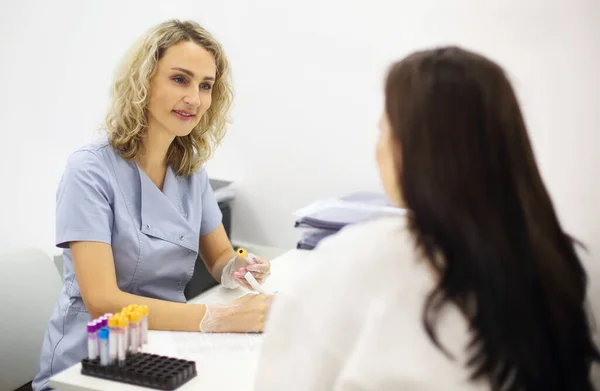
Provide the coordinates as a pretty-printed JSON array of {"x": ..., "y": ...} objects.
[{"x": 214, "y": 373}]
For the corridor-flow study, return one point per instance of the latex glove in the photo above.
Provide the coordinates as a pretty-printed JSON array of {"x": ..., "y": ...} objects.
[
  {"x": 244, "y": 315},
  {"x": 235, "y": 270}
]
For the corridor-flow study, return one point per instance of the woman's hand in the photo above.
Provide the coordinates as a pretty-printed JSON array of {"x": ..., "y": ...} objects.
[
  {"x": 234, "y": 272},
  {"x": 259, "y": 268},
  {"x": 245, "y": 315}
]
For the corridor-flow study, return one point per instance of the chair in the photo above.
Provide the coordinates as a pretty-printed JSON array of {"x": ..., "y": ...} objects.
[{"x": 29, "y": 288}]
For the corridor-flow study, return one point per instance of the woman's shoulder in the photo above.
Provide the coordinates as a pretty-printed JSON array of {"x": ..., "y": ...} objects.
[
  {"x": 89, "y": 164},
  {"x": 94, "y": 152},
  {"x": 354, "y": 271},
  {"x": 367, "y": 257},
  {"x": 378, "y": 242}
]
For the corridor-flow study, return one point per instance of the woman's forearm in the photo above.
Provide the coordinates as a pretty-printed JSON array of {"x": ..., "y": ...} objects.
[
  {"x": 217, "y": 269},
  {"x": 162, "y": 314}
]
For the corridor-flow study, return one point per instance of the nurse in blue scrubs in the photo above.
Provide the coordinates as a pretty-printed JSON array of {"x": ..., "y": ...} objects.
[{"x": 134, "y": 210}]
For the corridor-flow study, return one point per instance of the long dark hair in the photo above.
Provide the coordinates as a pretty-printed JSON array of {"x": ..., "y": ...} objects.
[{"x": 483, "y": 218}]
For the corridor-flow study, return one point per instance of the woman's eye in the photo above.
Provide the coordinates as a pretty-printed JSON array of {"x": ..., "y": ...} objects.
[
  {"x": 205, "y": 86},
  {"x": 179, "y": 80}
]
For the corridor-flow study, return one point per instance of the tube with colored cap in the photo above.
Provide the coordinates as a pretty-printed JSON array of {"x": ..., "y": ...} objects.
[
  {"x": 112, "y": 339},
  {"x": 122, "y": 342},
  {"x": 140, "y": 314},
  {"x": 126, "y": 313},
  {"x": 92, "y": 341},
  {"x": 144, "y": 324},
  {"x": 104, "y": 354},
  {"x": 242, "y": 253},
  {"x": 134, "y": 330}
]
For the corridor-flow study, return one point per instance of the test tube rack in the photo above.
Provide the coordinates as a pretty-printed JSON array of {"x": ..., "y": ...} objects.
[{"x": 144, "y": 369}]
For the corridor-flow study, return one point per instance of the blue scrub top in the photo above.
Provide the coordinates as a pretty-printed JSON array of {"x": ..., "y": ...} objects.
[{"x": 154, "y": 236}]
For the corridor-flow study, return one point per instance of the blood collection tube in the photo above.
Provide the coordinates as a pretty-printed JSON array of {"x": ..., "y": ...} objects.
[
  {"x": 140, "y": 313},
  {"x": 145, "y": 324},
  {"x": 242, "y": 253},
  {"x": 122, "y": 340},
  {"x": 134, "y": 332},
  {"x": 92, "y": 341},
  {"x": 112, "y": 339},
  {"x": 104, "y": 354}
]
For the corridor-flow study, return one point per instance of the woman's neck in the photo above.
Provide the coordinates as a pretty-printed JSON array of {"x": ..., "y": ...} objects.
[
  {"x": 153, "y": 157},
  {"x": 154, "y": 151}
]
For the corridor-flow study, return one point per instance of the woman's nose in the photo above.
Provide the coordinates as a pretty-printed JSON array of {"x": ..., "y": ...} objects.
[{"x": 193, "y": 99}]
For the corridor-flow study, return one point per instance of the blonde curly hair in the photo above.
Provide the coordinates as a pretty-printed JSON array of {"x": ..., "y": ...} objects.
[{"x": 127, "y": 118}]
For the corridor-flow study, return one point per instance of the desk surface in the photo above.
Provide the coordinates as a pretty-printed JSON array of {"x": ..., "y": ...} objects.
[{"x": 214, "y": 371}]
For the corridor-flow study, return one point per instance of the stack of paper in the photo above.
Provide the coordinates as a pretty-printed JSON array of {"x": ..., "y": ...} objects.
[{"x": 324, "y": 218}]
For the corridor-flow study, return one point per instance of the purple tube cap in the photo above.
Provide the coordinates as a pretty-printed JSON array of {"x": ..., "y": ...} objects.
[{"x": 91, "y": 327}]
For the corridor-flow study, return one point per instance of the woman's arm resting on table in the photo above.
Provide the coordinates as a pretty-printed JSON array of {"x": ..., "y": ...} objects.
[{"x": 95, "y": 271}]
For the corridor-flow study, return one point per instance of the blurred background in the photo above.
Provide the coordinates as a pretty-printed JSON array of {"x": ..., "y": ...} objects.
[{"x": 308, "y": 77}]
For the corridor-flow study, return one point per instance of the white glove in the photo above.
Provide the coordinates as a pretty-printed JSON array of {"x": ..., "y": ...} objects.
[
  {"x": 234, "y": 273},
  {"x": 245, "y": 315}
]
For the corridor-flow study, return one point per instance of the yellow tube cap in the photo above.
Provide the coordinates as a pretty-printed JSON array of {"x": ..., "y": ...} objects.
[
  {"x": 123, "y": 322},
  {"x": 113, "y": 321},
  {"x": 135, "y": 317},
  {"x": 242, "y": 253}
]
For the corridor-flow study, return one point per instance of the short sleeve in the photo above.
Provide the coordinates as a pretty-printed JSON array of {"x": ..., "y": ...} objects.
[
  {"x": 211, "y": 214},
  {"x": 83, "y": 201}
]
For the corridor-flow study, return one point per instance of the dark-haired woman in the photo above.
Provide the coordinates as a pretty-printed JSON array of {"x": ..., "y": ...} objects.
[{"x": 477, "y": 288}]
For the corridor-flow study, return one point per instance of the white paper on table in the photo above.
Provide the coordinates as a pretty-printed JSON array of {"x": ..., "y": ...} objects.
[
  {"x": 218, "y": 356},
  {"x": 224, "y": 373},
  {"x": 194, "y": 345}
]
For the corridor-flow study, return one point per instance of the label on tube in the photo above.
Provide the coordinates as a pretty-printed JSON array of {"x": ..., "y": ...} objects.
[
  {"x": 103, "y": 337},
  {"x": 92, "y": 341}
]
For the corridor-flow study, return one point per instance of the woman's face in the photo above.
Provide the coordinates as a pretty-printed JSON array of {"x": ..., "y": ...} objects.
[
  {"x": 388, "y": 163},
  {"x": 181, "y": 89}
]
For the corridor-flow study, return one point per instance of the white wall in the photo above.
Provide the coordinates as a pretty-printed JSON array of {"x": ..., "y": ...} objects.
[{"x": 308, "y": 76}]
